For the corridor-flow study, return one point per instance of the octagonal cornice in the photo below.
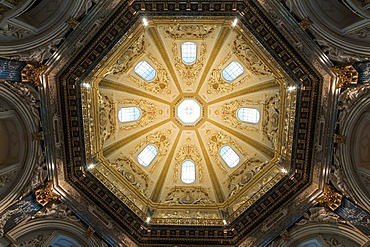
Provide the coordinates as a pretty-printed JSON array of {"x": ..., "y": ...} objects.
[{"x": 301, "y": 137}]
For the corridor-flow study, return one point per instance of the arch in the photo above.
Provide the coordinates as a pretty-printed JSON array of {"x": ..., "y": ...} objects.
[
  {"x": 145, "y": 71},
  {"x": 129, "y": 114},
  {"x": 148, "y": 154},
  {"x": 230, "y": 157},
  {"x": 248, "y": 115},
  {"x": 188, "y": 52},
  {"x": 232, "y": 71},
  {"x": 188, "y": 171}
]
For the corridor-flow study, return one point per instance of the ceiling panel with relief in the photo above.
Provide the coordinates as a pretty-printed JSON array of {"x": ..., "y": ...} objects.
[{"x": 208, "y": 121}]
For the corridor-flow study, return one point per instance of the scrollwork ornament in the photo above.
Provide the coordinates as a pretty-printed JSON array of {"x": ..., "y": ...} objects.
[
  {"x": 180, "y": 31},
  {"x": 347, "y": 75},
  {"x": 31, "y": 74},
  {"x": 330, "y": 197},
  {"x": 46, "y": 194}
]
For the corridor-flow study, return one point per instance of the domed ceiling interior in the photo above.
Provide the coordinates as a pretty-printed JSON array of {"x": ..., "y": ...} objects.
[{"x": 182, "y": 108}]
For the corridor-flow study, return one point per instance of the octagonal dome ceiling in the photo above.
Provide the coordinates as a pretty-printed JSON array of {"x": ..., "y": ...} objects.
[{"x": 172, "y": 170}]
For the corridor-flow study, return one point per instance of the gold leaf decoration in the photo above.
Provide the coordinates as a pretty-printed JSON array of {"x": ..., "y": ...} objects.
[{"x": 149, "y": 112}]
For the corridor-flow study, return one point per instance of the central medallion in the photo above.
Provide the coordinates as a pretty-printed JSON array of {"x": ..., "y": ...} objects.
[{"x": 188, "y": 111}]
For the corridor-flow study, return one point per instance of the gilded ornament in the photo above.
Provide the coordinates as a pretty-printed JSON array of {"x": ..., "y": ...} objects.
[
  {"x": 128, "y": 58},
  {"x": 251, "y": 60},
  {"x": 347, "y": 75},
  {"x": 46, "y": 194},
  {"x": 189, "y": 72},
  {"x": 188, "y": 152},
  {"x": 330, "y": 197},
  {"x": 149, "y": 113},
  {"x": 180, "y": 31},
  {"x": 31, "y": 74}
]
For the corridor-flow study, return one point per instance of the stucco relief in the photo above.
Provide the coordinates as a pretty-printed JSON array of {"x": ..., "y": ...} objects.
[
  {"x": 132, "y": 173},
  {"x": 107, "y": 117},
  {"x": 160, "y": 84},
  {"x": 128, "y": 58},
  {"x": 244, "y": 174},
  {"x": 188, "y": 31},
  {"x": 189, "y": 73},
  {"x": 228, "y": 113},
  {"x": 161, "y": 140},
  {"x": 270, "y": 123},
  {"x": 216, "y": 83},
  {"x": 251, "y": 60},
  {"x": 149, "y": 112},
  {"x": 188, "y": 195},
  {"x": 188, "y": 152},
  {"x": 216, "y": 141}
]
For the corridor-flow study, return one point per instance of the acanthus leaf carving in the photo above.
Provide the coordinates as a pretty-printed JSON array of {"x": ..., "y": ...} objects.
[{"x": 271, "y": 117}]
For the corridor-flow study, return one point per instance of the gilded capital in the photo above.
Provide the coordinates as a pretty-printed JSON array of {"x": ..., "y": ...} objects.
[
  {"x": 347, "y": 75},
  {"x": 330, "y": 197},
  {"x": 31, "y": 73},
  {"x": 46, "y": 194}
]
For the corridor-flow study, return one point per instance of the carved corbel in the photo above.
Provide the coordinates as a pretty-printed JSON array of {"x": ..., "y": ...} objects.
[
  {"x": 31, "y": 74},
  {"x": 347, "y": 75},
  {"x": 330, "y": 197},
  {"x": 46, "y": 194}
]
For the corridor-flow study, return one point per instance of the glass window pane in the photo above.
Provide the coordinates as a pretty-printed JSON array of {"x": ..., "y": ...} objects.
[
  {"x": 188, "y": 52},
  {"x": 232, "y": 71},
  {"x": 146, "y": 71},
  {"x": 188, "y": 171},
  {"x": 148, "y": 154},
  {"x": 128, "y": 114},
  {"x": 229, "y": 156},
  {"x": 249, "y": 115}
]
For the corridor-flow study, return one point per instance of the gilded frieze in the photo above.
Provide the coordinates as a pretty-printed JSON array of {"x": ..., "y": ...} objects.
[
  {"x": 188, "y": 152},
  {"x": 132, "y": 173},
  {"x": 161, "y": 140},
  {"x": 160, "y": 84},
  {"x": 189, "y": 73},
  {"x": 149, "y": 112},
  {"x": 107, "y": 116},
  {"x": 188, "y": 196},
  {"x": 216, "y": 141},
  {"x": 196, "y": 31},
  {"x": 250, "y": 59},
  {"x": 126, "y": 61},
  {"x": 228, "y": 114}
]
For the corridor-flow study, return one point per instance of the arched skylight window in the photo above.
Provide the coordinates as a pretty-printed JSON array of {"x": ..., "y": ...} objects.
[
  {"x": 229, "y": 156},
  {"x": 148, "y": 154},
  {"x": 232, "y": 71},
  {"x": 188, "y": 171},
  {"x": 146, "y": 71},
  {"x": 129, "y": 114},
  {"x": 310, "y": 243},
  {"x": 188, "y": 52},
  {"x": 249, "y": 115}
]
